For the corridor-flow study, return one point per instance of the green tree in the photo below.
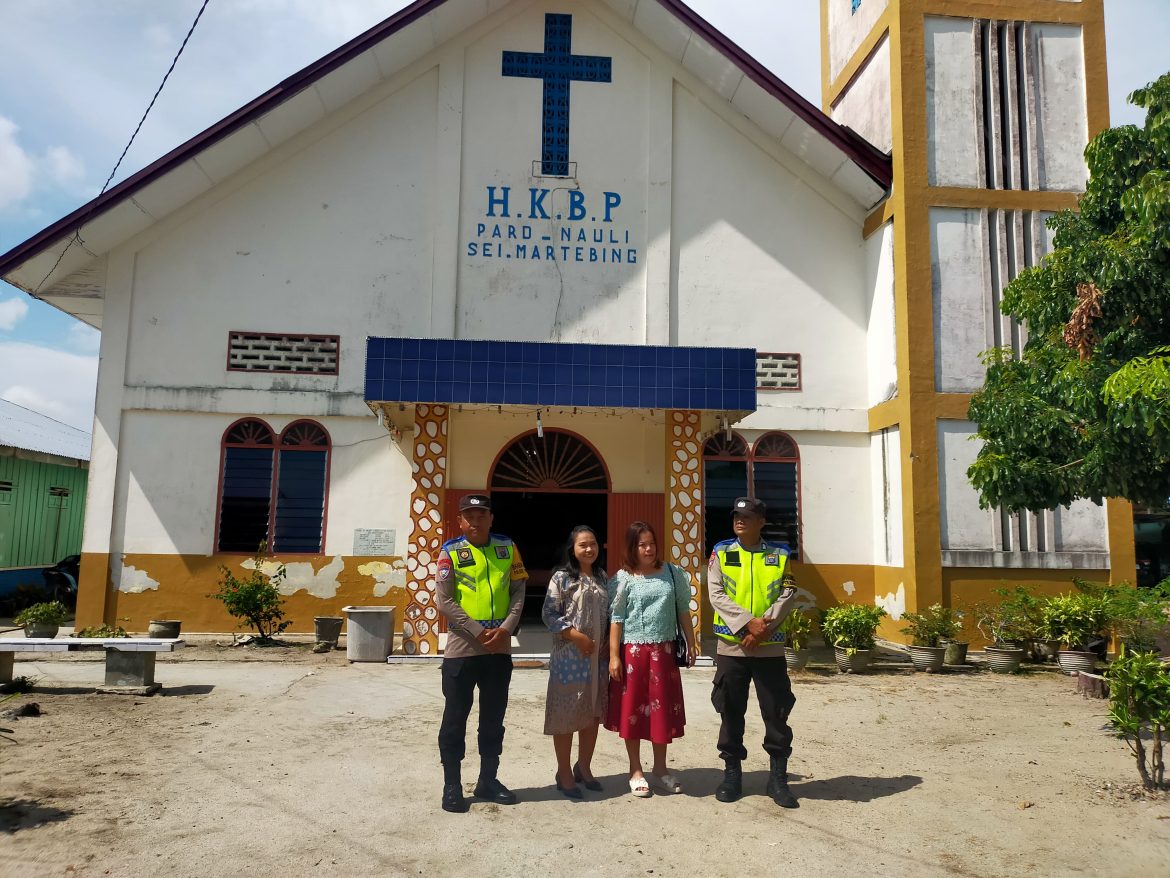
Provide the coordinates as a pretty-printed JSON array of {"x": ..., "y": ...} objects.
[{"x": 1084, "y": 412}]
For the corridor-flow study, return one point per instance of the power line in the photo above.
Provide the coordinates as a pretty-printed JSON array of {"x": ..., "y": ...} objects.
[{"x": 76, "y": 239}]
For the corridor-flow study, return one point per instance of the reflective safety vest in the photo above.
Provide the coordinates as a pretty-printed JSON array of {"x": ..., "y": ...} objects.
[
  {"x": 483, "y": 577},
  {"x": 753, "y": 580}
]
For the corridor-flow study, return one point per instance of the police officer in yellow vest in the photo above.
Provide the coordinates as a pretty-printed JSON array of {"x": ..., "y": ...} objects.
[
  {"x": 480, "y": 590},
  {"x": 751, "y": 591}
]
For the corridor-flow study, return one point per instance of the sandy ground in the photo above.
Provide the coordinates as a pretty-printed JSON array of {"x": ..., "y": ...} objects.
[{"x": 304, "y": 764}]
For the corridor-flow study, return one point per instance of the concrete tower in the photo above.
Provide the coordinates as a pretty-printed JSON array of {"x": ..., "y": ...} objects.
[{"x": 987, "y": 108}]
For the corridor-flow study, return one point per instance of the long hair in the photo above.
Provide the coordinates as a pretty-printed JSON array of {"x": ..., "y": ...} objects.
[
  {"x": 569, "y": 560},
  {"x": 633, "y": 532}
]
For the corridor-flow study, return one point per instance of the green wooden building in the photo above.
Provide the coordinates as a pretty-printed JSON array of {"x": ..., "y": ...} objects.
[{"x": 44, "y": 465}]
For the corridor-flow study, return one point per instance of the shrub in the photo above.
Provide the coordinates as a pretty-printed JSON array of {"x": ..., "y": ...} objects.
[
  {"x": 1016, "y": 617},
  {"x": 796, "y": 627},
  {"x": 102, "y": 631},
  {"x": 47, "y": 613},
  {"x": 1139, "y": 711},
  {"x": 255, "y": 600},
  {"x": 1076, "y": 619},
  {"x": 932, "y": 624},
  {"x": 851, "y": 626}
]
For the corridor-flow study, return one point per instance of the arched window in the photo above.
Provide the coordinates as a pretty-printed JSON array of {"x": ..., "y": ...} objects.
[
  {"x": 557, "y": 461},
  {"x": 273, "y": 491},
  {"x": 776, "y": 481},
  {"x": 770, "y": 471}
]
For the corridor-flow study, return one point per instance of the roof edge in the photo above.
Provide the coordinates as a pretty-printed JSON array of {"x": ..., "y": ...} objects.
[{"x": 869, "y": 158}]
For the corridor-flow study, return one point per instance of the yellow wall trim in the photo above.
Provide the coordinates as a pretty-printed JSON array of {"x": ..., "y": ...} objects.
[{"x": 1002, "y": 199}]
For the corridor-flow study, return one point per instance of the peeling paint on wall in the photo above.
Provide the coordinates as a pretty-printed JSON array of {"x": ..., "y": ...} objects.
[
  {"x": 893, "y": 603},
  {"x": 849, "y": 587},
  {"x": 300, "y": 575},
  {"x": 386, "y": 575},
  {"x": 805, "y": 600},
  {"x": 130, "y": 579}
]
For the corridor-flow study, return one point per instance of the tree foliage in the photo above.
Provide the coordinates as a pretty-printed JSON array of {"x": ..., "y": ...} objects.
[{"x": 1084, "y": 412}]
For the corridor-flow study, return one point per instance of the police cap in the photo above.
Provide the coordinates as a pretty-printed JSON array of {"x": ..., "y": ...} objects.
[
  {"x": 749, "y": 506},
  {"x": 475, "y": 501}
]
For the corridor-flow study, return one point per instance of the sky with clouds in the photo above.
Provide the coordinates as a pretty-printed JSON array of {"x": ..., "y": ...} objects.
[{"x": 76, "y": 75}]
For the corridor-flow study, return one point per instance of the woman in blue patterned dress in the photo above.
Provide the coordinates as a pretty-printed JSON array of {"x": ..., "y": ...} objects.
[{"x": 576, "y": 610}]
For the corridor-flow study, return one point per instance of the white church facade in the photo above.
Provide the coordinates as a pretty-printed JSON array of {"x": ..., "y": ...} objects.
[{"x": 591, "y": 258}]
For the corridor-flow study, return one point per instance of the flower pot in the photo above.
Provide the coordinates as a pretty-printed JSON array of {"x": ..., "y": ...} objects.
[
  {"x": 327, "y": 629},
  {"x": 163, "y": 629},
  {"x": 928, "y": 658},
  {"x": 1045, "y": 650},
  {"x": 41, "y": 629},
  {"x": 851, "y": 661},
  {"x": 955, "y": 652},
  {"x": 1074, "y": 660},
  {"x": 1004, "y": 659},
  {"x": 796, "y": 658}
]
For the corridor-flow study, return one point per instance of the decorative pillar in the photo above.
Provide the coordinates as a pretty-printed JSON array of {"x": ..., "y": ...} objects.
[
  {"x": 420, "y": 625},
  {"x": 684, "y": 501}
]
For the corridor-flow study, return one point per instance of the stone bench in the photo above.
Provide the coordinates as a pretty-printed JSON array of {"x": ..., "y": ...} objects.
[{"x": 129, "y": 660}]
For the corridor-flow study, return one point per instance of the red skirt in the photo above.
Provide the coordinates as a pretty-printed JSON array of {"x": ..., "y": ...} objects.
[{"x": 648, "y": 703}]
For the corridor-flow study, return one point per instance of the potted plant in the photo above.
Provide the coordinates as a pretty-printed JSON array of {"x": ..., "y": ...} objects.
[
  {"x": 1076, "y": 620},
  {"x": 928, "y": 629},
  {"x": 1002, "y": 625},
  {"x": 796, "y": 627},
  {"x": 1138, "y": 616},
  {"x": 163, "y": 629},
  {"x": 852, "y": 630},
  {"x": 42, "y": 620}
]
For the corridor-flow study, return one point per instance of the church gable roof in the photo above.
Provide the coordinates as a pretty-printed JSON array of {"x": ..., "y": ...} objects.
[{"x": 310, "y": 94}]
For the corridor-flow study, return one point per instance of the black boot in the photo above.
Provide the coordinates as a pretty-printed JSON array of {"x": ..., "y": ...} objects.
[
  {"x": 732, "y": 787},
  {"x": 453, "y": 800},
  {"x": 778, "y": 784},
  {"x": 488, "y": 787}
]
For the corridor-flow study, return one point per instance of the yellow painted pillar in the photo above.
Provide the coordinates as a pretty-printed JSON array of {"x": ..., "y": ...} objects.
[
  {"x": 420, "y": 625},
  {"x": 683, "y": 540}
]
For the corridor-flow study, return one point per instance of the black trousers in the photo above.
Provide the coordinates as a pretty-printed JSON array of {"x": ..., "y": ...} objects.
[
  {"x": 729, "y": 695},
  {"x": 492, "y": 674}
]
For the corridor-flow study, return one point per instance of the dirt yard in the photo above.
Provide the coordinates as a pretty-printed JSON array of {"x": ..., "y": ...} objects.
[{"x": 311, "y": 766}]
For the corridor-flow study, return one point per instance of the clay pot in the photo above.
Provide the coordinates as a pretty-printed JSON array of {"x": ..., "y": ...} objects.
[
  {"x": 955, "y": 652},
  {"x": 851, "y": 663},
  {"x": 1004, "y": 659},
  {"x": 41, "y": 629},
  {"x": 928, "y": 658},
  {"x": 163, "y": 629},
  {"x": 796, "y": 658},
  {"x": 327, "y": 629},
  {"x": 1072, "y": 660}
]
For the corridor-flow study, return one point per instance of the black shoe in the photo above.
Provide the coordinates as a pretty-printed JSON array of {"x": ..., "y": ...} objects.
[
  {"x": 453, "y": 800},
  {"x": 568, "y": 792},
  {"x": 494, "y": 791},
  {"x": 594, "y": 784},
  {"x": 778, "y": 785},
  {"x": 732, "y": 787}
]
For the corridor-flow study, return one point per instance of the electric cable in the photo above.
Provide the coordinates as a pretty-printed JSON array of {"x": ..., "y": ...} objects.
[{"x": 76, "y": 239}]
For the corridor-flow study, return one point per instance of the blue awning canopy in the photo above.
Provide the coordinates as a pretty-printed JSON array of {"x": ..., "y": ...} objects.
[{"x": 517, "y": 373}]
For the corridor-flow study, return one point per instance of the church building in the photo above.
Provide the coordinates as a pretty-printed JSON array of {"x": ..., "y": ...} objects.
[{"x": 591, "y": 258}]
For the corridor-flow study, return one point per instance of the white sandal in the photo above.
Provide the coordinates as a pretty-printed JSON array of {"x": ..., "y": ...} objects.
[
  {"x": 640, "y": 787},
  {"x": 668, "y": 782}
]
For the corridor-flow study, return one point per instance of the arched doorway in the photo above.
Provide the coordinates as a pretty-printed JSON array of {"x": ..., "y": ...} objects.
[{"x": 541, "y": 488}]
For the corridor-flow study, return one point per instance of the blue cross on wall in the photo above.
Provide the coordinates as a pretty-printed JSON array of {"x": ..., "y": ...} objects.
[{"x": 557, "y": 67}]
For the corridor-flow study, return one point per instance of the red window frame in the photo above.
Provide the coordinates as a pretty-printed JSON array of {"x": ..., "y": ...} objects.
[
  {"x": 297, "y": 431},
  {"x": 724, "y": 447}
]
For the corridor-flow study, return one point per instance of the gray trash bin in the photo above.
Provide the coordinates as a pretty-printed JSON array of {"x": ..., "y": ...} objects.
[{"x": 369, "y": 634}]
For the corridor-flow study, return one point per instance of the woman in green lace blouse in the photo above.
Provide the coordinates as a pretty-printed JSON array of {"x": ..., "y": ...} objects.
[{"x": 652, "y": 603}]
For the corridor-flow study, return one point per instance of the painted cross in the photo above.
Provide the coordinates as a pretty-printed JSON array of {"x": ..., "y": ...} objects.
[{"x": 558, "y": 67}]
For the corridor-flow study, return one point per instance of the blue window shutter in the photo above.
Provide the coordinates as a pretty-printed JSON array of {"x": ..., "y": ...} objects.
[
  {"x": 856, "y": 5},
  {"x": 244, "y": 504},
  {"x": 300, "y": 500},
  {"x": 723, "y": 481},
  {"x": 777, "y": 485}
]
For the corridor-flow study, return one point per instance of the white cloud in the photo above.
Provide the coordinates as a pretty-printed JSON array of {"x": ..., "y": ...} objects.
[
  {"x": 64, "y": 168},
  {"x": 55, "y": 383},
  {"x": 16, "y": 166},
  {"x": 12, "y": 311},
  {"x": 84, "y": 339}
]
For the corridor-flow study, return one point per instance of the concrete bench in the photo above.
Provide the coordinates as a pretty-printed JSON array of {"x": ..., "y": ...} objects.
[{"x": 129, "y": 660}]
